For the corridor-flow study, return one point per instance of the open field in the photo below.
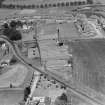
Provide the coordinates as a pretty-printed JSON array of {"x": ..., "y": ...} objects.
[
  {"x": 11, "y": 96},
  {"x": 89, "y": 63},
  {"x": 13, "y": 76},
  {"x": 5, "y": 13}
]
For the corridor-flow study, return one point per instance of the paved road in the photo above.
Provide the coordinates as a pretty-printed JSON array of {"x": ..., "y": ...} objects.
[{"x": 84, "y": 96}]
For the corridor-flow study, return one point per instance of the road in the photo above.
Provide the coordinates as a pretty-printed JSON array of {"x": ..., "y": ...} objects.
[{"x": 88, "y": 99}]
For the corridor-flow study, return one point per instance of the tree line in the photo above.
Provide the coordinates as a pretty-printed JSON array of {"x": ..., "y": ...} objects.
[{"x": 33, "y": 6}]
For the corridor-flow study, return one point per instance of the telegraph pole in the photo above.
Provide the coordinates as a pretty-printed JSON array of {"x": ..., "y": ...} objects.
[
  {"x": 35, "y": 28},
  {"x": 58, "y": 35}
]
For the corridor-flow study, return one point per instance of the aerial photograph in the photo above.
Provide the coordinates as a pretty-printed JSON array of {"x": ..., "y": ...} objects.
[{"x": 52, "y": 52}]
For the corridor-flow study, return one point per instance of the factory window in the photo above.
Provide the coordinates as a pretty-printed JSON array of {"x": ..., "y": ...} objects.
[
  {"x": 83, "y": 3},
  {"x": 90, "y": 1},
  {"x": 75, "y": 3}
]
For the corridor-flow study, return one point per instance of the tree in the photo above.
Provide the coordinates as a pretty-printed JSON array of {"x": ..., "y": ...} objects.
[
  {"x": 37, "y": 6},
  {"x": 58, "y": 4},
  {"x": 13, "y": 6},
  {"x": 54, "y": 5},
  {"x": 24, "y": 6},
  {"x": 29, "y": 6},
  {"x": 27, "y": 91},
  {"x": 10, "y": 5},
  {"x": 71, "y": 3},
  {"x": 1, "y": 3},
  {"x": 19, "y": 23},
  {"x": 89, "y": 1},
  {"x": 13, "y": 60},
  {"x": 17, "y": 6},
  {"x": 14, "y": 34},
  {"x": 67, "y": 3},
  {"x": 7, "y": 6},
  {"x": 62, "y": 4},
  {"x": 46, "y": 6},
  {"x": 50, "y": 5},
  {"x": 79, "y": 2},
  {"x": 41, "y": 6},
  {"x": 20, "y": 6},
  {"x": 3, "y": 6}
]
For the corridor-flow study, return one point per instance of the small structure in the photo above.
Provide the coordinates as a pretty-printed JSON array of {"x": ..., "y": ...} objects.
[
  {"x": 32, "y": 49},
  {"x": 33, "y": 53}
]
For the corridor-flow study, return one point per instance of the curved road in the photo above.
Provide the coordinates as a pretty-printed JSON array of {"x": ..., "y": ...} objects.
[{"x": 17, "y": 53}]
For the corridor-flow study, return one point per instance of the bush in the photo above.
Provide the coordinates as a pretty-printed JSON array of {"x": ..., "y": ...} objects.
[{"x": 13, "y": 61}]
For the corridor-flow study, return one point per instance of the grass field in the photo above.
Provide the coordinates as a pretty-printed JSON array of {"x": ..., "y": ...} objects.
[
  {"x": 10, "y": 96},
  {"x": 88, "y": 56},
  {"x": 89, "y": 62},
  {"x": 6, "y": 12},
  {"x": 13, "y": 76}
]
